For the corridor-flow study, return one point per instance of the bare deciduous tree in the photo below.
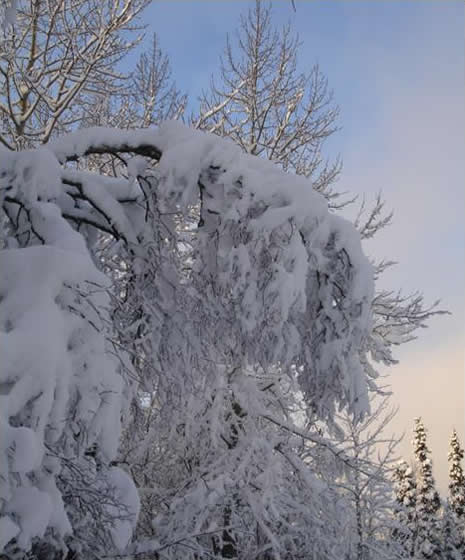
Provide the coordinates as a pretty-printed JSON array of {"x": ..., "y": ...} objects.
[
  {"x": 151, "y": 95},
  {"x": 367, "y": 483},
  {"x": 56, "y": 58},
  {"x": 267, "y": 106}
]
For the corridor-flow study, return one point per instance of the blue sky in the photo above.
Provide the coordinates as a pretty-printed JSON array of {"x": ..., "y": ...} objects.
[{"x": 397, "y": 71}]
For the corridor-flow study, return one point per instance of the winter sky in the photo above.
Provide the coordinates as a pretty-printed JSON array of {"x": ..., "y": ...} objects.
[{"x": 397, "y": 71}]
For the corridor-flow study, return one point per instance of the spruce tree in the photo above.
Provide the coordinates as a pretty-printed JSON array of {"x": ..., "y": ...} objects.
[
  {"x": 405, "y": 534},
  {"x": 451, "y": 538},
  {"x": 428, "y": 502},
  {"x": 456, "y": 477},
  {"x": 454, "y": 516}
]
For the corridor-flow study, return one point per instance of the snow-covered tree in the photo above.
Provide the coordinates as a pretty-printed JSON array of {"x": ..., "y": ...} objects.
[
  {"x": 62, "y": 392},
  {"x": 405, "y": 533},
  {"x": 428, "y": 503},
  {"x": 456, "y": 477},
  {"x": 57, "y": 59},
  {"x": 154, "y": 97},
  {"x": 454, "y": 512},
  {"x": 452, "y": 537},
  {"x": 150, "y": 96},
  {"x": 277, "y": 296},
  {"x": 427, "y": 528},
  {"x": 266, "y": 106},
  {"x": 222, "y": 312}
]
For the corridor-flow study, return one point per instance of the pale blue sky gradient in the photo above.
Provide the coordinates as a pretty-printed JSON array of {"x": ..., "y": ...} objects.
[{"x": 397, "y": 71}]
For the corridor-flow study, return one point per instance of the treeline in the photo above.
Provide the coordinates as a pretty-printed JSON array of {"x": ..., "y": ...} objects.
[{"x": 428, "y": 526}]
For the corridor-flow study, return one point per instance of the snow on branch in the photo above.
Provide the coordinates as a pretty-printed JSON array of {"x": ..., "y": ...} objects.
[
  {"x": 99, "y": 140},
  {"x": 261, "y": 260}
]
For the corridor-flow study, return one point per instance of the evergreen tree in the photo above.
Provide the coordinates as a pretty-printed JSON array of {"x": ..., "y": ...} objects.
[
  {"x": 405, "y": 509},
  {"x": 454, "y": 515},
  {"x": 451, "y": 539},
  {"x": 457, "y": 478},
  {"x": 428, "y": 502}
]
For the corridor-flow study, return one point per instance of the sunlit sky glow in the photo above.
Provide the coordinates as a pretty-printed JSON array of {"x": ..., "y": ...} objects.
[{"x": 397, "y": 71}]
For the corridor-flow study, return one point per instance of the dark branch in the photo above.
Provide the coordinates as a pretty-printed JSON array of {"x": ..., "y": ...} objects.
[{"x": 146, "y": 150}]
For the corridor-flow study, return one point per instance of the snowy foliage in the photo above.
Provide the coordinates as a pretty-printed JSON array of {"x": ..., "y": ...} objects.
[
  {"x": 428, "y": 503},
  {"x": 61, "y": 391},
  {"x": 280, "y": 279},
  {"x": 425, "y": 527},
  {"x": 453, "y": 537},
  {"x": 455, "y": 510},
  {"x": 166, "y": 283},
  {"x": 456, "y": 477},
  {"x": 268, "y": 108},
  {"x": 405, "y": 510}
]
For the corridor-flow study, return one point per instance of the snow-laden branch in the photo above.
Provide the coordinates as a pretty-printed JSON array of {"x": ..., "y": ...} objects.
[
  {"x": 100, "y": 140},
  {"x": 226, "y": 279}
]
